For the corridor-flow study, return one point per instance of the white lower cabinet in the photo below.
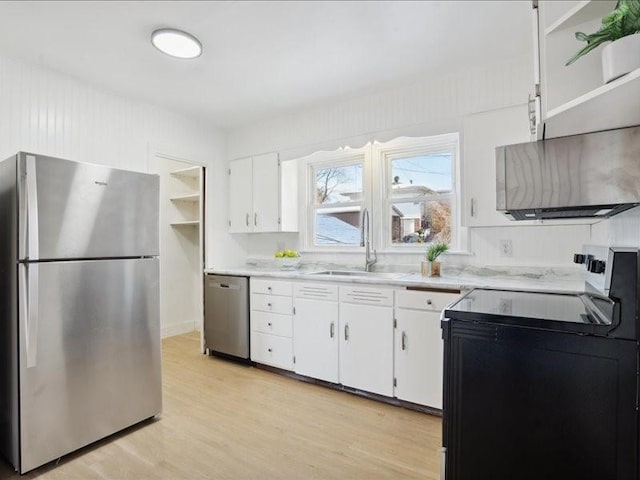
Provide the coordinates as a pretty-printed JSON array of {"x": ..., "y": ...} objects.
[
  {"x": 375, "y": 339},
  {"x": 366, "y": 347},
  {"x": 418, "y": 352},
  {"x": 272, "y": 350},
  {"x": 315, "y": 339},
  {"x": 271, "y": 312},
  {"x": 418, "y": 357}
]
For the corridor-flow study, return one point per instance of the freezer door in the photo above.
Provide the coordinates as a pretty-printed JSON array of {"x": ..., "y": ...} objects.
[
  {"x": 89, "y": 353},
  {"x": 71, "y": 210}
]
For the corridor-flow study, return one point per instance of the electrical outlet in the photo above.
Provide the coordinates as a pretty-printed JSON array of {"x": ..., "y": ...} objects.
[{"x": 506, "y": 248}]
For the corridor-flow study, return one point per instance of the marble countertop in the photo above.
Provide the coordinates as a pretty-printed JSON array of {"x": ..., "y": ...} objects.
[{"x": 484, "y": 278}]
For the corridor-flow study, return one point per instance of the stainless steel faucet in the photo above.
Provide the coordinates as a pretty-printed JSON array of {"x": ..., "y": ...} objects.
[{"x": 366, "y": 242}]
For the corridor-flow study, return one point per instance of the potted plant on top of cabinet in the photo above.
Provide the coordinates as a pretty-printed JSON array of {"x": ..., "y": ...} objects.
[{"x": 621, "y": 27}]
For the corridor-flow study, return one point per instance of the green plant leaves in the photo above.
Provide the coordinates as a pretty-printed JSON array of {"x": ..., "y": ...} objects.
[
  {"x": 622, "y": 21},
  {"x": 435, "y": 250}
]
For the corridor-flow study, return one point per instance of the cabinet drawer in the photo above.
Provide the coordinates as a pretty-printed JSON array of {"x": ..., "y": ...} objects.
[
  {"x": 272, "y": 303},
  {"x": 272, "y": 350},
  {"x": 366, "y": 295},
  {"x": 273, "y": 323},
  {"x": 270, "y": 287},
  {"x": 317, "y": 291},
  {"x": 422, "y": 300}
]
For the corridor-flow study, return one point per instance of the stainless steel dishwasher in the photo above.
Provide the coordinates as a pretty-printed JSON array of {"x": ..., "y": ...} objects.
[{"x": 226, "y": 316}]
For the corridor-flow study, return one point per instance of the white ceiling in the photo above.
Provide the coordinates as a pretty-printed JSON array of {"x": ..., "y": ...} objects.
[{"x": 261, "y": 58}]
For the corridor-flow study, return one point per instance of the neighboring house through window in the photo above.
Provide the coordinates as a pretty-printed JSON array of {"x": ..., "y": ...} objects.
[
  {"x": 418, "y": 189},
  {"x": 337, "y": 200}
]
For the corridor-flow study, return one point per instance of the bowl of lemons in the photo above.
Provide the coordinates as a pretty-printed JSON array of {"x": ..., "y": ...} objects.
[{"x": 288, "y": 259}]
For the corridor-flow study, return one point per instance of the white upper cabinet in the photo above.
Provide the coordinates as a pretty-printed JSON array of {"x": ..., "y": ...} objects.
[
  {"x": 262, "y": 195},
  {"x": 241, "y": 195},
  {"x": 266, "y": 188},
  {"x": 574, "y": 98},
  {"x": 482, "y": 133}
]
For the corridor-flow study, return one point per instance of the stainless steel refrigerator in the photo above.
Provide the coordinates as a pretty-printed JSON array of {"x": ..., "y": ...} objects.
[{"x": 79, "y": 309}]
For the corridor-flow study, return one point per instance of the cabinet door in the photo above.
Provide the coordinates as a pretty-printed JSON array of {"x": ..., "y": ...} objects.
[
  {"x": 266, "y": 193},
  {"x": 418, "y": 357},
  {"x": 315, "y": 339},
  {"x": 366, "y": 348},
  {"x": 240, "y": 195},
  {"x": 483, "y": 132}
]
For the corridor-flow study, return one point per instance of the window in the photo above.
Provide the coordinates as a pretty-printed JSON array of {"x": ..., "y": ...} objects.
[
  {"x": 419, "y": 193},
  {"x": 337, "y": 199},
  {"x": 408, "y": 185}
]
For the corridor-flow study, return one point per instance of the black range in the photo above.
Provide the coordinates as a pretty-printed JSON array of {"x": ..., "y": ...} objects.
[{"x": 545, "y": 385}]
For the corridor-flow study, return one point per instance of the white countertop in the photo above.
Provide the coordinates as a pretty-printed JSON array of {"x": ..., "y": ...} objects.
[{"x": 510, "y": 282}]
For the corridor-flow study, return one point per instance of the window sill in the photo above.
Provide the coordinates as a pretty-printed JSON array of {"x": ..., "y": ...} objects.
[
  {"x": 360, "y": 250},
  {"x": 421, "y": 252}
]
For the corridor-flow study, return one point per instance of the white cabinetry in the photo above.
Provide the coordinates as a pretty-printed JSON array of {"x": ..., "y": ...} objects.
[
  {"x": 483, "y": 132},
  {"x": 353, "y": 335},
  {"x": 260, "y": 192},
  {"x": 316, "y": 330},
  {"x": 272, "y": 322},
  {"x": 574, "y": 99},
  {"x": 418, "y": 352},
  {"x": 366, "y": 339}
]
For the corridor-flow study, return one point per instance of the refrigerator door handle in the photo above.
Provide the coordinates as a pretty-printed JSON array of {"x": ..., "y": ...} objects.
[
  {"x": 33, "y": 252},
  {"x": 29, "y": 310}
]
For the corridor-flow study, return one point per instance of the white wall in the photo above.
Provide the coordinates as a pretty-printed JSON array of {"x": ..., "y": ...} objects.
[
  {"x": 427, "y": 106},
  {"x": 44, "y": 112},
  {"x": 622, "y": 230}
]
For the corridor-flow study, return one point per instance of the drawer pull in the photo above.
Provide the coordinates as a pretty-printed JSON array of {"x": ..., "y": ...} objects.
[
  {"x": 269, "y": 350},
  {"x": 269, "y": 288},
  {"x": 346, "y": 332},
  {"x": 269, "y": 305},
  {"x": 270, "y": 324},
  {"x": 404, "y": 341},
  {"x": 331, "y": 330},
  {"x": 429, "y": 302}
]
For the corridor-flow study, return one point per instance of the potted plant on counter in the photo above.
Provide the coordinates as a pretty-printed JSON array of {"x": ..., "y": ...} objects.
[
  {"x": 621, "y": 27},
  {"x": 430, "y": 266}
]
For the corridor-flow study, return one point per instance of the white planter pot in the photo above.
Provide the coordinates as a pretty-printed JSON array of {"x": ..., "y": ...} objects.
[{"x": 621, "y": 57}]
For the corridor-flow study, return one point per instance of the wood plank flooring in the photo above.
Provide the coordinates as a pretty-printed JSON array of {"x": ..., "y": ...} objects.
[{"x": 228, "y": 421}]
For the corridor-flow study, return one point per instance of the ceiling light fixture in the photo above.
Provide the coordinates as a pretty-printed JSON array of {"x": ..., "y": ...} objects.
[{"x": 176, "y": 43}]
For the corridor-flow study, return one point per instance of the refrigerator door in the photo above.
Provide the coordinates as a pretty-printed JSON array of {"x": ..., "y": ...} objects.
[
  {"x": 71, "y": 210},
  {"x": 89, "y": 352}
]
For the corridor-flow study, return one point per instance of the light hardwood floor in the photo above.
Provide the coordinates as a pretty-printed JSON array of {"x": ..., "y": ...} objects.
[{"x": 227, "y": 421}]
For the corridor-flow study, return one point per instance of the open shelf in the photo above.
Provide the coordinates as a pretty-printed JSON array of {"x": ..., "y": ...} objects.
[
  {"x": 190, "y": 197},
  {"x": 614, "y": 105},
  {"x": 189, "y": 223},
  {"x": 190, "y": 172},
  {"x": 581, "y": 13}
]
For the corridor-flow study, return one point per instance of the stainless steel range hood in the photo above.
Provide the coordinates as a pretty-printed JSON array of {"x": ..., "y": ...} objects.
[{"x": 590, "y": 175}]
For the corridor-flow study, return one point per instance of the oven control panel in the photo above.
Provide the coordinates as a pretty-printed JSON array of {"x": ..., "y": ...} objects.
[{"x": 596, "y": 265}]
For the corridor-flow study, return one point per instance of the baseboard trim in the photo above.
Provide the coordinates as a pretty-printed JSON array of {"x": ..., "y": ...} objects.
[
  {"x": 354, "y": 391},
  {"x": 178, "y": 329}
]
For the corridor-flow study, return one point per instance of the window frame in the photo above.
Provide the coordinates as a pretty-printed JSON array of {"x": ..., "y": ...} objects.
[
  {"x": 403, "y": 147},
  {"x": 376, "y": 165},
  {"x": 322, "y": 160}
]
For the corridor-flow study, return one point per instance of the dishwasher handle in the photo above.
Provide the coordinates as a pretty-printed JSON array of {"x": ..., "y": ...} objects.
[{"x": 226, "y": 286}]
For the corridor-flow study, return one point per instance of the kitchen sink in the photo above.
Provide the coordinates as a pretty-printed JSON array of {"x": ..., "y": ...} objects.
[{"x": 358, "y": 273}]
